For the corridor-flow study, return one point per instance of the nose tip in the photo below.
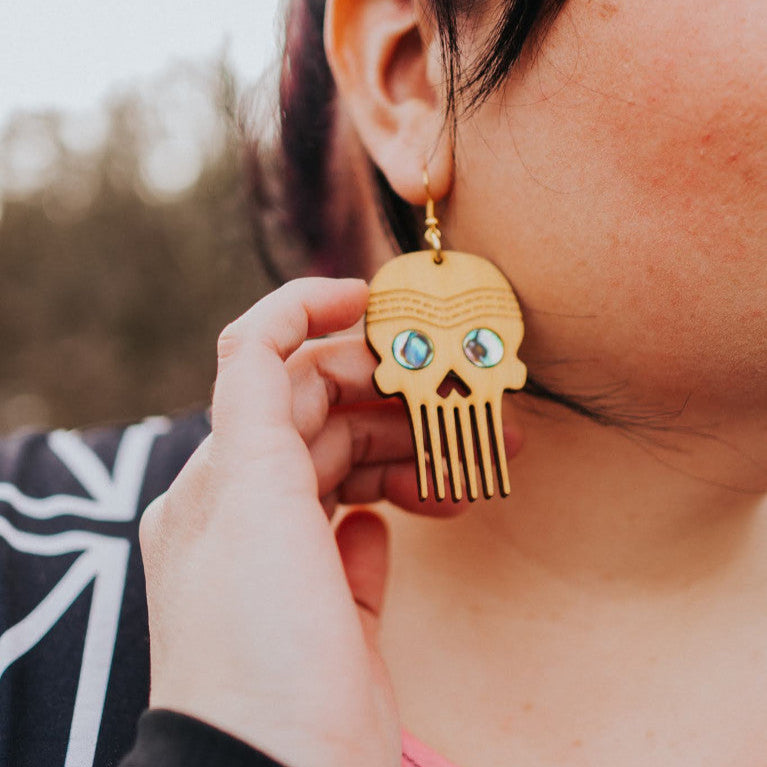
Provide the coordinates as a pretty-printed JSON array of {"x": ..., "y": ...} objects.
[{"x": 453, "y": 382}]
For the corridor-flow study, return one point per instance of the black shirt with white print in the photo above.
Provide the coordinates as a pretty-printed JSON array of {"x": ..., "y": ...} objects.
[{"x": 74, "y": 646}]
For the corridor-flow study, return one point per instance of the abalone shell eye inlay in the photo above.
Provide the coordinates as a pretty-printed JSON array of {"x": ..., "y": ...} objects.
[
  {"x": 483, "y": 348},
  {"x": 412, "y": 349}
]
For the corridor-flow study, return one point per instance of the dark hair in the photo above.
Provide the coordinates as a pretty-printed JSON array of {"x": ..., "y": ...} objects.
[{"x": 307, "y": 109}]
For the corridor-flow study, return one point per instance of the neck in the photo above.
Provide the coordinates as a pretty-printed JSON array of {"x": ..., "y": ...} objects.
[{"x": 599, "y": 508}]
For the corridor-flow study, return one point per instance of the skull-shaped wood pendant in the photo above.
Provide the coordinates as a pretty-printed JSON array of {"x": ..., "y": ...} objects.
[{"x": 447, "y": 331}]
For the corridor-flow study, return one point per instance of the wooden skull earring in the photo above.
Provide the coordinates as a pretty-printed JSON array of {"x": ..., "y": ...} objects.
[{"x": 446, "y": 327}]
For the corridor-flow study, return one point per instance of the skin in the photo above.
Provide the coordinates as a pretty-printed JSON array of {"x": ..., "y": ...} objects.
[
  {"x": 611, "y": 610},
  {"x": 239, "y": 554},
  {"x": 634, "y": 180}
]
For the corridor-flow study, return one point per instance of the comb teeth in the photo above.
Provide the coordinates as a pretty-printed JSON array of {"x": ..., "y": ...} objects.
[
  {"x": 463, "y": 434},
  {"x": 499, "y": 446},
  {"x": 485, "y": 452},
  {"x": 453, "y": 453},
  {"x": 435, "y": 450},
  {"x": 463, "y": 416},
  {"x": 416, "y": 422}
]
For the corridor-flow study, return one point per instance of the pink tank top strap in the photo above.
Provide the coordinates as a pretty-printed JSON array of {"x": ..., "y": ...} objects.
[{"x": 416, "y": 754}]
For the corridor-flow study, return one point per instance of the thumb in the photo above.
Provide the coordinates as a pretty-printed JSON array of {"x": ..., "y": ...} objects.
[{"x": 363, "y": 543}]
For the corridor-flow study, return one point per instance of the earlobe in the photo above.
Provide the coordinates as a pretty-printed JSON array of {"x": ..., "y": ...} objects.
[{"x": 386, "y": 64}]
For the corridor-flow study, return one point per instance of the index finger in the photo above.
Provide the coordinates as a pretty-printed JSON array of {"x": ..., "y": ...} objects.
[
  {"x": 252, "y": 385},
  {"x": 304, "y": 308}
]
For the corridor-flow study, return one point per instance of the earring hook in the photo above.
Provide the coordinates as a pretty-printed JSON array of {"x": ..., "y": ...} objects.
[{"x": 432, "y": 235}]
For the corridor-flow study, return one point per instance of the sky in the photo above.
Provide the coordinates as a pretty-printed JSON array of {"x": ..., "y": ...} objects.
[{"x": 68, "y": 54}]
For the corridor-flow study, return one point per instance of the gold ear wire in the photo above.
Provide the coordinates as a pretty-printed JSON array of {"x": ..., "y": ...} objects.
[{"x": 432, "y": 235}]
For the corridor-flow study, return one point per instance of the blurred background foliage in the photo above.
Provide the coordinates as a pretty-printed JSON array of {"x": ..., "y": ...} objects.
[{"x": 127, "y": 241}]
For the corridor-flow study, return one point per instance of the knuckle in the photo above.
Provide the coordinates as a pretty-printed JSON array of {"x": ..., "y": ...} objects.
[
  {"x": 291, "y": 301},
  {"x": 319, "y": 385},
  {"x": 229, "y": 340},
  {"x": 295, "y": 326},
  {"x": 361, "y": 442},
  {"x": 341, "y": 439}
]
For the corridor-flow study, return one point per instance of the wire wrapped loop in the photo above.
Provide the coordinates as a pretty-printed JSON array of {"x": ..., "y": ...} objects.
[{"x": 433, "y": 235}]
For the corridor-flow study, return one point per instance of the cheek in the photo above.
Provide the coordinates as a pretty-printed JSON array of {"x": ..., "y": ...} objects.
[
  {"x": 628, "y": 171},
  {"x": 660, "y": 107},
  {"x": 683, "y": 127},
  {"x": 683, "y": 141}
]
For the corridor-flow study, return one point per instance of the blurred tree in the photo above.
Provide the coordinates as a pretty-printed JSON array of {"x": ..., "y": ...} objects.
[{"x": 114, "y": 279}]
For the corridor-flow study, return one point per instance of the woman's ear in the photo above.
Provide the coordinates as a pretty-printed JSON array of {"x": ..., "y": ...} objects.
[{"x": 387, "y": 66}]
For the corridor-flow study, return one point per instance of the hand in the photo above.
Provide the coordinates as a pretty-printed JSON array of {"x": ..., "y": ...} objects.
[{"x": 261, "y": 620}]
